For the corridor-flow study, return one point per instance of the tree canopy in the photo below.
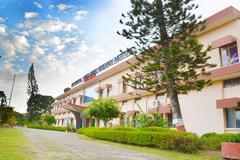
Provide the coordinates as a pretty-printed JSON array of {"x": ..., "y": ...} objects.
[
  {"x": 49, "y": 119},
  {"x": 3, "y": 99},
  {"x": 39, "y": 104},
  {"x": 104, "y": 108}
]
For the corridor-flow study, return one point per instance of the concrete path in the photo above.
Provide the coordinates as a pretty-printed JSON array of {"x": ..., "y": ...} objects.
[{"x": 52, "y": 145}]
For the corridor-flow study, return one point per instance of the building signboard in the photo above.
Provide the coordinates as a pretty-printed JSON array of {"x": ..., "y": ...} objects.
[{"x": 101, "y": 68}]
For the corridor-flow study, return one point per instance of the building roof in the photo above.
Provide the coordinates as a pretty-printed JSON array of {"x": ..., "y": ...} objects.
[
  {"x": 220, "y": 18},
  {"x": 212, "y": 22}
]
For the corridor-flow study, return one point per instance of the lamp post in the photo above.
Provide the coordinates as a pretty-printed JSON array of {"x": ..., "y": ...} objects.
[{"x": 14, "y": 78}]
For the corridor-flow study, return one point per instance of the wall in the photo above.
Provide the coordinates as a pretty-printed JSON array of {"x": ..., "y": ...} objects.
[
  {"x": 199, "y": 110},
  {"x": 231, "y": 28}
]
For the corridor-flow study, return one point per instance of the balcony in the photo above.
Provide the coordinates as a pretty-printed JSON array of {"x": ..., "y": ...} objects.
[
  {"x": 161, "y": 109},
  {"x": 131, "y": 95},
  {"x": 222, "y": 73}
]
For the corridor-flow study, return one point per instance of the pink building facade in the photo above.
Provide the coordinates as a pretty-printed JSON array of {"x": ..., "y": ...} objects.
[{"x": 214, "y": 109}]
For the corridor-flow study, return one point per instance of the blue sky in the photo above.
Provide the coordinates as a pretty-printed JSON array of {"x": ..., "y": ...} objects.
[{"x": 64, "y": 39}]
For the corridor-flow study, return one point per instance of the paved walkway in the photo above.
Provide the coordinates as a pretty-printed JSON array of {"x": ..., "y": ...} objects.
[{"x": 52, "y": 145}]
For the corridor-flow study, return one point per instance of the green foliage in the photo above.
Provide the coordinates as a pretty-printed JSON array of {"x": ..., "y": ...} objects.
[
  {"x": 32, "y": 86},
  {"x": 5, "y": 125},
  {"x": 21, "y": 119},
  {"x": 178, "y": 141},
  {"x": 212, "y": 141},
  {"x": 172, "y": 66},
  {"x": 8, "y": 115},
  {"x": 3, "y": 99},
  {"x": 49, "y": 119},
  {"x": 36, "y": 126},
  {"x": 157, "y": 129},
  {"x": 143, "y": 121},
  {"x": 104, "y": 108},
  {"x": 37, "y": 105}
]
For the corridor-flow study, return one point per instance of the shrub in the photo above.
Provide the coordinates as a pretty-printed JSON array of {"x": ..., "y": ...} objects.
[
  {"x": 212, "y": 141},
  {"x": 49, "y": 119},
  {"x": 62, "y": 129},
  {"x": 121, "y": 128},
  {"x": 143, "y": 121},
  {"x": 104, "y": 108},
  {"x": 158, "y": 129},
  {"x": 5, "y": 125},
  {"x": 178, "y": 141}
]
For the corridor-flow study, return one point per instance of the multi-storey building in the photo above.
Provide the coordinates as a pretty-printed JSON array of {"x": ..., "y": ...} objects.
[{"x": 214, "y": 109}]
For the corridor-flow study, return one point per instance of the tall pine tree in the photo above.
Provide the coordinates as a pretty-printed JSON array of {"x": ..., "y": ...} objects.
[
  {"x": 170, "y": 58},
  {"x": 32, "y": 87},
  {"x": 32, "y": 91}
]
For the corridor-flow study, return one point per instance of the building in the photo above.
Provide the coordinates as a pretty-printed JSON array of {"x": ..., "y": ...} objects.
[{"x": 215, "y": 109}]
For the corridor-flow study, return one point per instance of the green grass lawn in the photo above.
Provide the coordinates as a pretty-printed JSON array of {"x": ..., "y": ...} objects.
[
  {"x": 14, "y": 146},
  {"x": 171, "y": 155}
]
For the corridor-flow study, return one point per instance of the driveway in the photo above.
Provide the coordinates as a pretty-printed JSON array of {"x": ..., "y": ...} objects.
[{"x": 52, "y": 145}]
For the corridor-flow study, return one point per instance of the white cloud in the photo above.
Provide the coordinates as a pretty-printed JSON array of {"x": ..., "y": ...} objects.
[
  {"x": 38, "y": 5},
  {"x": 36, "y": 52},
  {"x": 3, "y": 31},
  {"x": 51, "y": 26},
  {"x": 69, "y": 27},
  {"x": 50, "y": 6},
  {"x": 2, "y": 20},
  {"x": 21, "y": 44},
  {"x": 8, "y": 49},
  {"x": 29, "y": 15},
  {"x": 80, "y": 15},
  {"x": 64, "y": 7}
]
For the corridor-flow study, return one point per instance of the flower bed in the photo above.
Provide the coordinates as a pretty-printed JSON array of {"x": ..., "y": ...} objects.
[{"x": 163, "y": 138}]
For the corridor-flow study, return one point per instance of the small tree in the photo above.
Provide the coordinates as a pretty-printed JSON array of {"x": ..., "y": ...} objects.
[
  {"x": 49, "y": 119},
  {"x": 39, "y": 104},
  {"x": 7, "y": 115},
  {"x": 3, "y": 99},
  {"x": 104, "y": 109}
]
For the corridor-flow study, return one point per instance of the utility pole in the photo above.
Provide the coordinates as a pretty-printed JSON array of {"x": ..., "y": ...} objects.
[{"x": 12, "y": 90}]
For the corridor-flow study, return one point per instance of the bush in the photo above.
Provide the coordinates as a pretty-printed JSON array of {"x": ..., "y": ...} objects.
[
  {"x": 49, "y": 119},
  {"x": 5, "y": 125},
  {"x": 178, "y": 141},
  {"x": 212, "y": 141},
  {"x": 158, "y": 129},
  {"x": 62, "y": 129},
  {"x": 121, "y": 128}
]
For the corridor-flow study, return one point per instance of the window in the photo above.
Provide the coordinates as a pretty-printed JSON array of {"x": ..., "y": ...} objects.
[
  {"x": 74, "y": 100},
  {"x": 137, "y": 100},
  {"x": 81, "y": 99},
  {"x": 229, "y": 54},
  {"x": 124, "y": 89},
  {"x": 108, "y": 91},
  {"x": 233, "y": 118},
  {"x": 124, "y": 103},
  {"x": 138, "y": 82},
  {"x": 100, "y": 93},
  {"x": 231, "y": 82},
  {"x": 161, "y": 98}
]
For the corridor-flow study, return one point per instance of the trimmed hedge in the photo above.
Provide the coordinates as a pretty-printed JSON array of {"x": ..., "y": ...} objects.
[
  {"x": 212, "y": 141},
  {"x": 62, "y": 129},
  {"x": 178, "y": 141},
  {"x": 158, "y": 129}
]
